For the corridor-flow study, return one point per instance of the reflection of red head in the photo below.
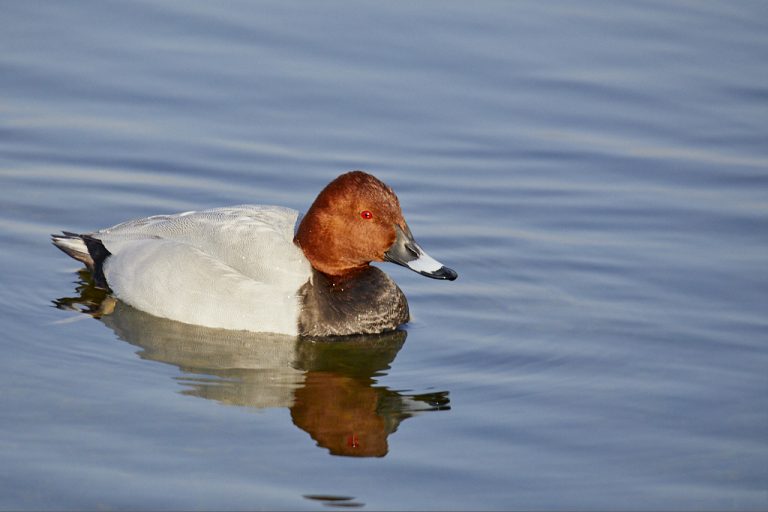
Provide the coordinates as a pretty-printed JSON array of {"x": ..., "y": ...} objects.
[{"x": 340, "y": 413}]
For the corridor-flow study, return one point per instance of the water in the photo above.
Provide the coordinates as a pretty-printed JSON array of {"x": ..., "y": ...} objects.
[{"x": 596, "y": 173}]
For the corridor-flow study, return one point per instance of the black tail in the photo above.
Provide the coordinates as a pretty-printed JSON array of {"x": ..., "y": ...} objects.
[
  {"x": 87, "y": 250},
  {"x": 74, "y": 246}
]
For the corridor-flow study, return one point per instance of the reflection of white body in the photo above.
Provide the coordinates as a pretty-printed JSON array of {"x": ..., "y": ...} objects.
[
  {"x": 329, "y": 387},
  {"x": 238, "y": 368},
  {"x": 239, "y": 263}
]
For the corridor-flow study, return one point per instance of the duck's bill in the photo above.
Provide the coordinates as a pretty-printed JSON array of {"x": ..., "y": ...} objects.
[{"x": 406, "y": 252}]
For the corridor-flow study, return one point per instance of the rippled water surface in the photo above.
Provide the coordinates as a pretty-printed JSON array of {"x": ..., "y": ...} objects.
[{"x": 597, "y": 173}]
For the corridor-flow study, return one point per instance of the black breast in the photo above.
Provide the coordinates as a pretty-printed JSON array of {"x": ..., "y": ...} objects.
[{"x": 366, "y": 302}]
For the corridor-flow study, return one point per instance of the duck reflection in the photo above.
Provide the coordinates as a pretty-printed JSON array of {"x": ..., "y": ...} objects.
[{"x": 329, "y": 385}]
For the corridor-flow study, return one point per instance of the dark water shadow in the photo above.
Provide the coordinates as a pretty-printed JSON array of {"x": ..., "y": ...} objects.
[
  {"x": 329, "y": 385},
  {"x": 330, "y": 500}
]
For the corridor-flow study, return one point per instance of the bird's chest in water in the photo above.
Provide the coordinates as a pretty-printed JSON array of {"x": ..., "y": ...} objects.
[{"x": 368, "y": 302}]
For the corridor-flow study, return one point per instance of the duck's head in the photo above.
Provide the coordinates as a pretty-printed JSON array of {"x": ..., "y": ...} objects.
[{"x": 356, "y": 219}]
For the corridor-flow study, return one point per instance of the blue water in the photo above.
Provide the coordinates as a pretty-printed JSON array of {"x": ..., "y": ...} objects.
[{"x": 597, "y": 173}]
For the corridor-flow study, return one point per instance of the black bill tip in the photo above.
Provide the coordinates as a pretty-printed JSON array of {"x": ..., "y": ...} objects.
[{"x": 442, "y": 273}]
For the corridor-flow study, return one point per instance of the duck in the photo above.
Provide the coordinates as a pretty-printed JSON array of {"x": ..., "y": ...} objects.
[{"x": 264, "y": 268}]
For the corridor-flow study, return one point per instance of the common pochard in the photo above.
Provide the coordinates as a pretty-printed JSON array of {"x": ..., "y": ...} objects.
[{"x": 264, "y": 268}]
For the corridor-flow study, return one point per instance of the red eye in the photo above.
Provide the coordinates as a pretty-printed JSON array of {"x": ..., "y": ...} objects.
[{"x": 366, "y": 214}]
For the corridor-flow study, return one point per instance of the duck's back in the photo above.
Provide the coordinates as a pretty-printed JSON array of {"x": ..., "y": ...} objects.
[{"x": 234, "y": 268}]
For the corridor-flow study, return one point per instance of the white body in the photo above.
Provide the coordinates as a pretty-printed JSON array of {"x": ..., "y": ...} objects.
[{"x": 231, "y": 268}]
